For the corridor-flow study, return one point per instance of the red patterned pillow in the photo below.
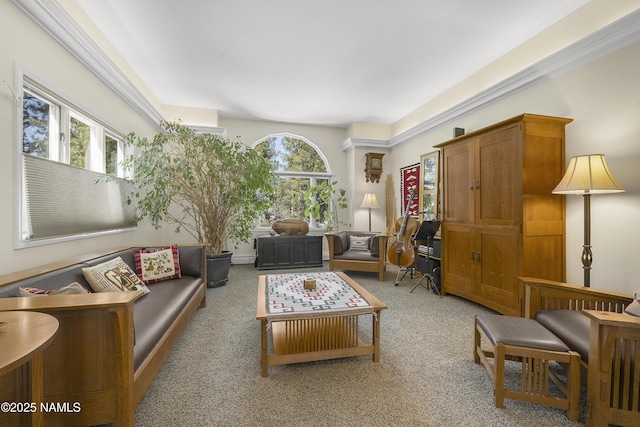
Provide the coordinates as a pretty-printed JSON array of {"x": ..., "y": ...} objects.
[{"x": 157, "y": 264}]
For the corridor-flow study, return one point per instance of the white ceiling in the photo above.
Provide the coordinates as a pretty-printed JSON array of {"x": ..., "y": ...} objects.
[{"x": 327, "y": 62}]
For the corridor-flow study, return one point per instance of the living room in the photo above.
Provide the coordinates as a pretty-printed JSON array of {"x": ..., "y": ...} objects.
[{"x": 583, "y": 67}]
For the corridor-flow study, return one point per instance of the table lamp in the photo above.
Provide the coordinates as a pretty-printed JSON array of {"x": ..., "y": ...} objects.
[{"x": 370, "y": 201}]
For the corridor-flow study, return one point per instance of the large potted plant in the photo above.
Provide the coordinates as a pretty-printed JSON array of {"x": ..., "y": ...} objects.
[{"x": 209, "y": 186}]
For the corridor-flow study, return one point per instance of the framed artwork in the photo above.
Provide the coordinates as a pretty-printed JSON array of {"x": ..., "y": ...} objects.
[
  {"x": 429, "y": 185},
  {"x": 409, "y": 180}
]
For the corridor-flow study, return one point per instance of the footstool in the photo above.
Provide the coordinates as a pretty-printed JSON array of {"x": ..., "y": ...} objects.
[{"x": 527, "y": 341}]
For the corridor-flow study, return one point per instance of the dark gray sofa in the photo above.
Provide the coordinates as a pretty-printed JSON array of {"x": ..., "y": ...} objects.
[{"x": 112, "y": 345}]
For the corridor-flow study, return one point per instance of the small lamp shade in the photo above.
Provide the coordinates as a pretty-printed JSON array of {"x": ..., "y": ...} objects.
[
  {"x": 588, "y": 174},
  {"x": 370, "y": 201}
]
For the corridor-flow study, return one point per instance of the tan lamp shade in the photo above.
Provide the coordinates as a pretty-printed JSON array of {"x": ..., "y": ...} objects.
[
  {"x": 588, "y": 174},
  {"x": 370, "y": 201}
]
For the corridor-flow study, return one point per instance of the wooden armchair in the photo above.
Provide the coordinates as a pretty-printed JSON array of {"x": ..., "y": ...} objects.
[
  {"x": 345, "y": 256},
  {"x": 613, "y": 368}
]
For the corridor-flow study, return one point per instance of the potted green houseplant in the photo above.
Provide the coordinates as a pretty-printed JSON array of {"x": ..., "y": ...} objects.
[
  {"x": 321, "y": 204},
  {"x": 211, "y": 187}
]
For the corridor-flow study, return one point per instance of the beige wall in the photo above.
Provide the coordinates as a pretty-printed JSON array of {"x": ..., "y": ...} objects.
[
  {"x": 603, "y": 98},
  {"x": 24, "y": 44},
  {"x": 594, "y": 16}
]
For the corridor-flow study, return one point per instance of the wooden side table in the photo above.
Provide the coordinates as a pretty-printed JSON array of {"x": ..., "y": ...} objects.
[{"x": 23, "y": 337}]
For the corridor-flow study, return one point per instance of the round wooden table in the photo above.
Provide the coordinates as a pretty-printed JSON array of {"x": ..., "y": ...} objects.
[{"x": 23, "y": 337}]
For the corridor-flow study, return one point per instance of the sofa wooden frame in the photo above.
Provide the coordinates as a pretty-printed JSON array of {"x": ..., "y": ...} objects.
[
  {"x": 101, "y": 376},
  {"x": 378, "y": 265},
  {"x": 613, "y": 371}
]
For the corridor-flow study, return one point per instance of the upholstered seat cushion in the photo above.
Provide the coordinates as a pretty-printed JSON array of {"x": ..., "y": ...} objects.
[
  {"x": 519, "y": 332},
  {"x": 356, "y": 256},
  {"x": 571, "y": 326},
  {"x": 156, "y": 311}
]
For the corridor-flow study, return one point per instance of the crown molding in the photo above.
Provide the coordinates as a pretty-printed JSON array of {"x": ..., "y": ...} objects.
[
  {"x": 614, "y": 36},
  {"x": 216, "y": 130},
  {"x": 351, "y": 143},
  {"x": 51, "y": 18}
]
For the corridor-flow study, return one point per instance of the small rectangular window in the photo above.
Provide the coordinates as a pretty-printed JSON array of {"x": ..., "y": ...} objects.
[
  {"x": 80, "y": 138},
  {"x": 111, "y": 161},
  {"x": 38, "y": 130},
  {"x": 66, "y": 153}
]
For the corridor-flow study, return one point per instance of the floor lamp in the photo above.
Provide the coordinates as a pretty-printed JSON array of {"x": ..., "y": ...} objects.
[
  {"x": 370, "y": 201},
  {"x": 587, "y": 175}
]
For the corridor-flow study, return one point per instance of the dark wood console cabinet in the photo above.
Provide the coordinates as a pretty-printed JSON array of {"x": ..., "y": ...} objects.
[{"x": 288, "y": 252}]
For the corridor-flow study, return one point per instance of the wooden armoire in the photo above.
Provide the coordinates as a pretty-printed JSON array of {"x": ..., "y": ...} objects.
[{"x": 500, "y": 220}]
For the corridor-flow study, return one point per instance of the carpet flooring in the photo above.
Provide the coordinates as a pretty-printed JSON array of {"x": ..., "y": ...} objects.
[{"x": 426, "y": 376}]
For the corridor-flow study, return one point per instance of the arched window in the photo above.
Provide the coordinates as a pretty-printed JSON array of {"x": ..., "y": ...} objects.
[{"x": 299, "y": 165}]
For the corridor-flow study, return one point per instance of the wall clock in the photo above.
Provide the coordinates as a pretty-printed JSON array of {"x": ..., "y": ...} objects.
[{"x": 373, "y": 166}]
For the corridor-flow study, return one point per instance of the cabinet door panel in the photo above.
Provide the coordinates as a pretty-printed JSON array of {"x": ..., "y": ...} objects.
[
  {"x": 544, "y": 257},
  {"x": 460, "y": 178},
  {"x": 459, "y": 268},
  {"x": 498, "y": 268},
  {"x": 299, "y": 254},
  {"x": 498, "y": 162},
  {"x": 284, "y": 251}
]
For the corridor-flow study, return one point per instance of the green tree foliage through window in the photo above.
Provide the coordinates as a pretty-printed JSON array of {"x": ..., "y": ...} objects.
[
  {"x": 111, "y": 155},
  {"x": 301, "y": 157},
  {"x": 35, "y": 126},
  {"x": 298, "y": 166},
  {"x": 291, "y": 154},
  {"x": 80, "y": 134}
]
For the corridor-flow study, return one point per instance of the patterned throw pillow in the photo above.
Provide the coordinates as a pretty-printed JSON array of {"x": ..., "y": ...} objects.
[
  {"x": 113, "y": 276},
  {"x": 156, "y": 264},
  {"x": 71, "y": 288},
  {"x": 359, "y": 243}
]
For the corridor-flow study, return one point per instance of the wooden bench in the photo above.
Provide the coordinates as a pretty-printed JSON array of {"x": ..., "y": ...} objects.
[
  {"x": 535, "y": 348},
  {"x": 612, "y": 373}
]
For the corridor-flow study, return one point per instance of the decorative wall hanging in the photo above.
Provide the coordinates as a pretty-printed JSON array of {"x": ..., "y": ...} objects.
[{"x": 409, "y": 179}]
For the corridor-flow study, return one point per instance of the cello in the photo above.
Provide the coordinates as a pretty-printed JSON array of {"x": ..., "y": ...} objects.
[{"x": 402, "y": 252}]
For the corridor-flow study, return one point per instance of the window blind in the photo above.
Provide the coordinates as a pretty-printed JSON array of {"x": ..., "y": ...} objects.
[{"x": 64, "y": 200}]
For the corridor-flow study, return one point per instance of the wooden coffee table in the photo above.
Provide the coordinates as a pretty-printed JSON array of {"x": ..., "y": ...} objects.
[{"x": 310, "y": 336}]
